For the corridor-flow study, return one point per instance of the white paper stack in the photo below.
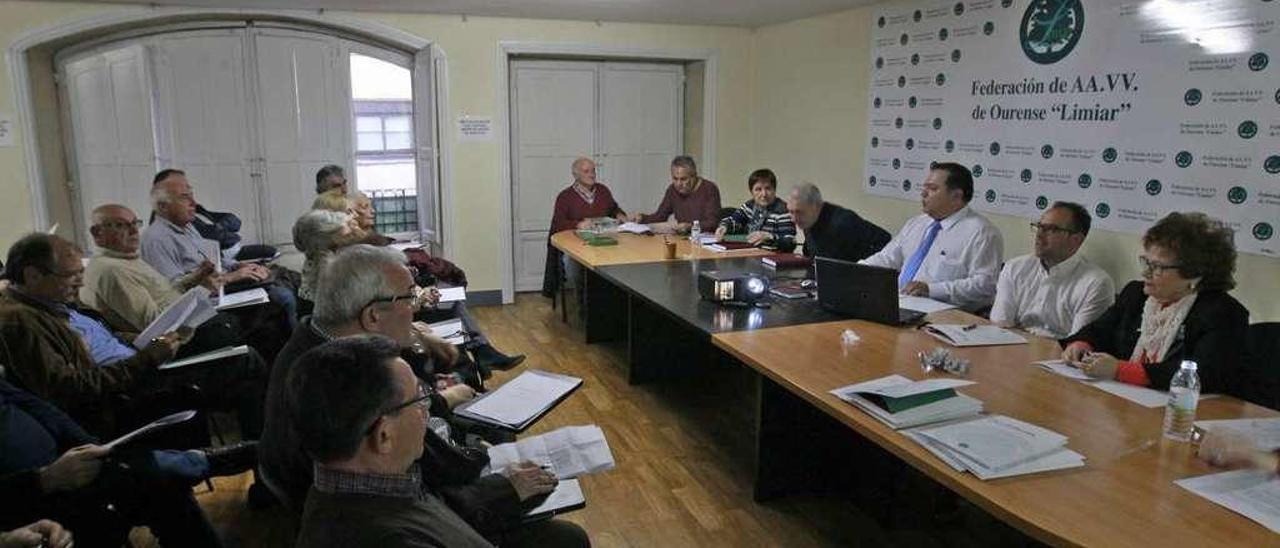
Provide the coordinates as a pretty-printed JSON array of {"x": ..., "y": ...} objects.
[
  {"x": 191, "y": 310},
  {"x": 450, "y": 330},
  {"x": 635, "y": 228},
  {"x": 897, "y": 387},
  {"x": 569, "y": 452},
  {"x": 1141, "y": 395},
  {"x": 996, "y": 446},
  {"x": 973, "y": 335},
  {"x": 923, "y": 304},
  {"x": 1255, "y": 494},
  {"x": 248, "y": 297}
]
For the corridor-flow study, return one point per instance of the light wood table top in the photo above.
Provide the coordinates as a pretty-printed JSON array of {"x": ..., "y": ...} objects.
[
  {"x": 634, "y": 248},
  {"x": 1124, "y": 495}
]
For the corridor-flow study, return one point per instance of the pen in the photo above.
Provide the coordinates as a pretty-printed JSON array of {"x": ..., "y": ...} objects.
[{"x": 970, "y": 327}]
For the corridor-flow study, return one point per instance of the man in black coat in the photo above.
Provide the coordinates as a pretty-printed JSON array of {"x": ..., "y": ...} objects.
[{"x": 833, "y": 231}]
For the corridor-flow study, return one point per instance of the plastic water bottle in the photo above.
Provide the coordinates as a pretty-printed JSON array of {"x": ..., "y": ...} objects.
[
  {"x": 694, "y": 232},
  {"x": 1184, "y": 394}
]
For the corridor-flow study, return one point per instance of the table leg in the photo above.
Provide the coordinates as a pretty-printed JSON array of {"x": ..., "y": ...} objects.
[
  {"x": 659, "y": 347},
  {"x": 604, "y": 308}
]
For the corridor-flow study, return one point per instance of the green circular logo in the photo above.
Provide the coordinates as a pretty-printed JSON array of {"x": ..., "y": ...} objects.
[
  {"x": 991, "y": 196},
  {"x": 959, "y": 9},
  {"x": 1025, "y": 175},
  {"x": 1003, "y": 4},
  {"x": 1042, "y": 202},
  {"x": 1046, "y": 151},
  {"x": 1050, "y": 29},
  {"x": 903, "y": 39},
  {"x": 875, "y": 142},
  {"x": 902, "y": 81},
  {"x": 942, "y": 35},
  {"x": 880, "y": 22},
  {"x": 995, "y": 148},
  {"x": 1277, "y": 94},
  {"x": 977, "y": 171},
  {"x": 933, "y": 165},
  {"x": 1109, "y": 155},
  {"x": 950, "y": 145},
  {"x": 915, "y": 58},
  {"x": 1192, "y": 97},
  {"x": 1263, "y": 231},
  {"x": 937, "y": 123},
  {"x": 876, "y": 103},
  {"x": 879, "y": 63},
  {"x": 906, "y": 185},
  {"x": 1272, "y": 164},
  {"x": 897, "y": 163},
  {"x": 988, "y": 28},
  {"x": 940, "y": 79},
  {"x": 955, "y": 58},
  {"x": 912, "y": 102},
  {"x": 1258, "y": 61},
  {"x": 1237, "y": 195},
  {"x": 1183, "y": 159},
  {"x": 917, "y": 16},
  {"x": 1102, "y": 210},
  {"x": 1154, "y": 187},
  {"x": 1085, "y": 180},
  {"x": 1247, "y": 130},
  {"x": 872, "y": 181},
  {"x": 897, "y": 122},
  {"x": 911, "y": 143}
]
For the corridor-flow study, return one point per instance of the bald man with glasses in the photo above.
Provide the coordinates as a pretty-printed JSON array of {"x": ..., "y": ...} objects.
[{"x": 1055, "y": 291}]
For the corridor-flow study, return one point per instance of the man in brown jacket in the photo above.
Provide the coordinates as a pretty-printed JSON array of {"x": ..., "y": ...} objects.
[{"x": 67, "y": 355}]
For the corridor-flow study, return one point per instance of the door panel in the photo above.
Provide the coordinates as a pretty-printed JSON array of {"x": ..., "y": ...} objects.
[{"x": 641, "y": 115}]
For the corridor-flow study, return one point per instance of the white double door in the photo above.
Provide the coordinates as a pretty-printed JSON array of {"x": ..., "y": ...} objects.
[
  {"x": 628, "y": 117},
  {"x": 250, "y": 113}
]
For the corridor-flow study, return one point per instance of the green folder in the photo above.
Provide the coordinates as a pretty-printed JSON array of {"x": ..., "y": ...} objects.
[
  {"x": 895, "y": 405},
  {"x": 735, "y": 238},
  {"x": 596, "y": 239}
]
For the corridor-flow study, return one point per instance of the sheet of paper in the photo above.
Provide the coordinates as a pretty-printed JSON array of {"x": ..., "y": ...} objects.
[
  {"x": 1143, "y": 396},
  {"x": 451, "y": 294},
  {"x": 922, "y": 304},
  {"x": 523, "y": 397},
  {"x": 173, "y": 317},
  {"x": 449, "y": 330},
  {"x": 568, "y": 493},
  {"x": 973, "y": 335},
  {"x": 1061, "y": 367},
  {"x": 1264, "y": 433},
  {"x": 403, "y": 246},
  {"x": 1255, "y": 494},
  {"x": 248, "y": 297},
  {"x": 569, "y": 452},
  {"x": 898, "y": 390},
  {"x": 635, "y": 228},
  {"x": 209, "y": 356},
  {"x": 157, "y": 424},
  {"x": 996, "y": 443}
]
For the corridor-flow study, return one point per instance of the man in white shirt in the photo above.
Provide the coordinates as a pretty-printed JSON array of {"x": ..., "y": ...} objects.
[
  {"x": 950, "y": 253},
  {"x": 1055, "y": 291}
]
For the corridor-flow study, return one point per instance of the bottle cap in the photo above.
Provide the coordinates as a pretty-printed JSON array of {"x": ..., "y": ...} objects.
[{"x": 1189, "y": 364}]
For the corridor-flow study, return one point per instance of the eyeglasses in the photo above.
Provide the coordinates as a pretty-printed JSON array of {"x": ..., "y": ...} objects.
[
  {"x": 1151, "y": 267},
  {"x": 418, "y": 297},
  {"x": 63, "y": 275},
  {"x": 1044, "y": 227},
  {"x": 422, "y": 400},
  {"x": 121, "y": 225}
]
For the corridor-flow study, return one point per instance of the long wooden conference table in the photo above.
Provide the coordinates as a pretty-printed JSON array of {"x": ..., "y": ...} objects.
[{"x": 1124, "y": 495}]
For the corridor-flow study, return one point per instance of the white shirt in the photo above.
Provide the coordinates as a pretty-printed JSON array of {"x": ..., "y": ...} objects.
[
  {"x": 1052, "y": 303},
  {"x": 962, "y": 264}
]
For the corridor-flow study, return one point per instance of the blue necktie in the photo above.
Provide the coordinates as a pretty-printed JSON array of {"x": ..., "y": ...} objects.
[{"x": 917, "y": 258}]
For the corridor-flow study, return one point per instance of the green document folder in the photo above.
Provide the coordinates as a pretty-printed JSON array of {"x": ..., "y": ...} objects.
[{"x": 895, "y": 405}]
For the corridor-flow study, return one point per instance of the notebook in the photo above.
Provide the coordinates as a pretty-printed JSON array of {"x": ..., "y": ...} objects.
[{"x": 521, "y": 401}]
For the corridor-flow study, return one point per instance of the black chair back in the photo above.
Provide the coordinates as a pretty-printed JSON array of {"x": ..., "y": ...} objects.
[{"x": 1260, "y": 370}]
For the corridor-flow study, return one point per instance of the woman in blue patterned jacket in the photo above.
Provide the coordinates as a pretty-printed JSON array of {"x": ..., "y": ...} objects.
[{"x": 764, "y": 218}]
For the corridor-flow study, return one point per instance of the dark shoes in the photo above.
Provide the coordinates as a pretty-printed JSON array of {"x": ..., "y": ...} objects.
[{"x": 487, "y": 357}]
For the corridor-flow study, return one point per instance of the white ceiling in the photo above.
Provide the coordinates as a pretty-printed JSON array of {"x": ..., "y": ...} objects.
[{"x": 746, "y": 13}]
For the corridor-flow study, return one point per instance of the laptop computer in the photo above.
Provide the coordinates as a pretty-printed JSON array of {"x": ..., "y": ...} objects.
[{"x": 861, "y": 291}]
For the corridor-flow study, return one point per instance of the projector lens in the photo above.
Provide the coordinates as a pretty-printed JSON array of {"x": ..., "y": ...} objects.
[{"x": 755, "y": 285}]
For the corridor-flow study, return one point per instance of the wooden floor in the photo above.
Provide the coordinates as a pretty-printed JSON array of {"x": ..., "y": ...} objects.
[{"x": 683, "y": 452}]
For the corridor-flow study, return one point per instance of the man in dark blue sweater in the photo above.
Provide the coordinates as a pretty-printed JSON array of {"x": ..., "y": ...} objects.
[{"x": 833, "y": 231}]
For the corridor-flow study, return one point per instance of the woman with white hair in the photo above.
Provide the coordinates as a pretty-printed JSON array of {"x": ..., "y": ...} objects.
[{"x": 317, "y": 234}]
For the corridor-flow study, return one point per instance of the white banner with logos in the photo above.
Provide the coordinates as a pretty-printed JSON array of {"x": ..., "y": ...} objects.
[{"x": 1131, "y": 108}]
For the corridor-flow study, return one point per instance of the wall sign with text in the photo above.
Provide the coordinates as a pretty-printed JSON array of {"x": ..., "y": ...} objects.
[{"x": 1132, "y": 108}]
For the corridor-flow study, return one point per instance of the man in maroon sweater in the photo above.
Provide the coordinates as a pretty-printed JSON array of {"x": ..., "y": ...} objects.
[
  {"x": 584, "y": 199},
  {"x": 690, "y": 197}
]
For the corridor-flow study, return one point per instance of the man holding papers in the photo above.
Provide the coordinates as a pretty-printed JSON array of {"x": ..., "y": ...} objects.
[
  {"x": 68, "y": 355},
  {"x": 361, "y": 413},
  {"x": 1055, "y": 291},
  {"x": 173, "y": 246},
  {"x": 131, "y": 294},
  {"x": 950, "y": 253}
]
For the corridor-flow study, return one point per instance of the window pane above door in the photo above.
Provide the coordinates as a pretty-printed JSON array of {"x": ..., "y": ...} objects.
[{"x": 386, "y": 166}]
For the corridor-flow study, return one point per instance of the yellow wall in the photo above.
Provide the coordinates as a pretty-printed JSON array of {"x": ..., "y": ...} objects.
[
  {"x": 790, "y": 96},
  {"x": 810, "y": 115}
]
